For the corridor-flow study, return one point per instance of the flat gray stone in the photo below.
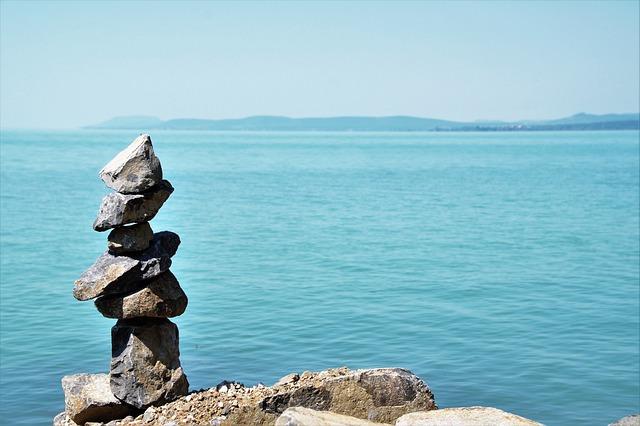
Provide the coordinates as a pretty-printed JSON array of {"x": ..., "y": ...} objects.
[
  {"x": 112, "y": 274},
  {"x": 464, "y": 416},
  {"x": 135, "y": 169},
  {"x": 300, "y": 416},
  {"x": 162, "y": 297},
  {"x": 121, "y": 209},
  {"x": 145, "y": 364},
  {"x": 130, "y": 239},
  {"x": 88, "y": 398}
]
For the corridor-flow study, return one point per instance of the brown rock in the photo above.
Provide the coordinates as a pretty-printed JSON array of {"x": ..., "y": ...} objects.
[
  {"x": 161, "y": 298},
  {"x": 128, "y": 239}
]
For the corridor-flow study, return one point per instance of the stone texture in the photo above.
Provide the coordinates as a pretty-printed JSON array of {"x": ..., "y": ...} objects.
[
  {"x": 632, "y": 420},
  {"x": 112, "y": 274},
  {"x": 130, "y": 239},
  {"x": 145, "y": 364},
  {"x": 135, "y": 169},
  {"x": 464, "y": 416},
  {"x": 161, "y": 298},
  {"x": 88, "y": 397},
  {"x": 379, "y": 395},
  {"x": 300, "y": 416},
  {"x": 121, "y": 209}
]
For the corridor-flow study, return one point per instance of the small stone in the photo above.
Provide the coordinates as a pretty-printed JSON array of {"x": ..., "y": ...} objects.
[
  {"x": 223, "y": 389},
  {"x": 149, "y": 414},
  {"x": 220, "y": 404},
  {"x": 145, "y": 364},
  {"x": 112, "y": 274},
  {"x": 464, "y": 416},
  {"x": 289, "y": 378},
  {"x": 134, "y": 169},
  {"x": 120, "y": 209},
  {"x": 88, "y": 397},
  {"x": 128, "y": 239},
  {"x": 161, "y": 298}
]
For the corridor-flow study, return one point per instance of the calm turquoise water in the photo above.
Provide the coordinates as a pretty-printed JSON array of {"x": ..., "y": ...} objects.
[{"x": 501, "y": 268}]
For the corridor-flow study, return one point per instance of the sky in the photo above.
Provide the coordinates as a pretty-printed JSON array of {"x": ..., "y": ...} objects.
[{"x": 69, "y": 64}]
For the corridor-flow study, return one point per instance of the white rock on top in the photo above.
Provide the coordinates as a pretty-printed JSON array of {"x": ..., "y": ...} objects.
[
  {"x": 464, "y": 416},
  {"x": 301, "y": 416},
  {"x": 135, "y": 169}
]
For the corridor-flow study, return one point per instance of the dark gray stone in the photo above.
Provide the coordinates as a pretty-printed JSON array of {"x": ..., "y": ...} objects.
[
  {"x": 112, "y": 274},
  {"x": 88, "y": 398},
  {"x": 145, "y": 364},
  {"x": 130, "y": 239},
  {"x": 120, "y": 209},
  {"x": 135, "y": 169},
  {"x": 162, "y": 297}
]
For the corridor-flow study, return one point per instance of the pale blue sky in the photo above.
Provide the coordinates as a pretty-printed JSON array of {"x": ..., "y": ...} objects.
[{"x": 67, "y": 64}]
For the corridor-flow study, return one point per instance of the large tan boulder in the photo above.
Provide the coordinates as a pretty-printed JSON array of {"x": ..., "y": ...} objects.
[
  {"x": 88, "y": 397},
  {"x": 464, "y": 416},
  {"x": 300, "y": 416}
]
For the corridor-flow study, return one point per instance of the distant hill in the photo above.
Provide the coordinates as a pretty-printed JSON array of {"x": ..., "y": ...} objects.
[{"x": 581, "y": 121}]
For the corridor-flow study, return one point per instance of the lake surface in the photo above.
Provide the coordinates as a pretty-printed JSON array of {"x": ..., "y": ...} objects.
[{"x": 502, "y": 268}]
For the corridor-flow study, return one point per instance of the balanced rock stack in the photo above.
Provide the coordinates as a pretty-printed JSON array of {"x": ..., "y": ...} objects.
[{"x": 131, "y": 282}]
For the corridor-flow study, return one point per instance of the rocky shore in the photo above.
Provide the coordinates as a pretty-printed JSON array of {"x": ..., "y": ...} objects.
[{"x": 334, "y": 397}]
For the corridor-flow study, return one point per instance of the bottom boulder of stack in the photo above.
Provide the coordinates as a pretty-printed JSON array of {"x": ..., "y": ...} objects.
[
  {"x": 88, "y": 398},
  {"x": 145, "y": 364}
]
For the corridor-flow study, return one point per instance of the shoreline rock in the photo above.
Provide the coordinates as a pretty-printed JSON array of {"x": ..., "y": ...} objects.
[
  {"x": 357, "y": 393},
  {"x": 464, "y": 416}
]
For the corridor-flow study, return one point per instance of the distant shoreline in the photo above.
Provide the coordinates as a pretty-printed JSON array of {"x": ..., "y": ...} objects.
[{"x": 580, "y": 121}]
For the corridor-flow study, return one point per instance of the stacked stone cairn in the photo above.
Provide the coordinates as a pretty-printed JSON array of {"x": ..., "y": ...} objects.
[{"x": 131, "y": 282}]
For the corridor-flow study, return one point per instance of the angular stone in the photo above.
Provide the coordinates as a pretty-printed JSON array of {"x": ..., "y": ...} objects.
[
  {"x": 145, "y": 364},
  {"x": 128, "y": 239},
  {"x": 464, "y": 416},
  {"x": 161, "y": 298},
  {"x": 120, "y": 209},
  {"x": 112, "y": 274},
  {"x": 300, "y": 416},
  {"x": 88, "y": 397},
  {"x": 135, "y": 169}
]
